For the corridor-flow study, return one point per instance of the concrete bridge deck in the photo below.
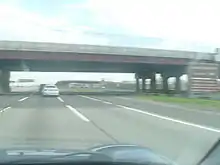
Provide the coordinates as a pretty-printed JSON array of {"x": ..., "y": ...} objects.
[{"x": 104, "y": 50}]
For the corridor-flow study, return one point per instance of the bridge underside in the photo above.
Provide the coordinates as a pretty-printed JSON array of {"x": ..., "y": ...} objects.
[
  {"x": 142, "y": 70},
  {"x": 71, "y": 66}
]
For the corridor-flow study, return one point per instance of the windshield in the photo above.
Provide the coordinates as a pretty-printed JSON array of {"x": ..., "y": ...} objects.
[{"x": 80, "y": 74}]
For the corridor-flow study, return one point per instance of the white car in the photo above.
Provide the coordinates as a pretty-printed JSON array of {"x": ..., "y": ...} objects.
[{"x": 50, "y": 90}]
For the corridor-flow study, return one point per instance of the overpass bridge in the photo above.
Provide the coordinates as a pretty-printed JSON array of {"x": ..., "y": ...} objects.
[{"x": 54, "y": 57}]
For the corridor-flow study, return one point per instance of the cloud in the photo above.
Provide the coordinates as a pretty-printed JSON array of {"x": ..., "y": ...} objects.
[
  {"x": 184, "y": 45},
  {"x": 136, "y": 21},
  {"x": 174, "y": 19},
  {"x": 18, "y": 24},
  {"x": 53, "y": 77}
]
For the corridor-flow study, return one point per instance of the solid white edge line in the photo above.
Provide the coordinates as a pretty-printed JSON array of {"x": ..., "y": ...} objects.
[
  {"x": 81, "y": 116},
  {"x": 90, "y": 98},
  {"x": 176, "y": 106},
  {"x": 60, "y": 99},
  {"x": 171, "y": 119},
  {"x": 6, "y": 108},
  {"x": 22, "y": 99},
  {"x": 183, "y": 109},
  {"x": 164, "y": 117}
]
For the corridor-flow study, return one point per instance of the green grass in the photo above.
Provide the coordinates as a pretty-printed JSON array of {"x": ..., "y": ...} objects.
[{"x": 188, "y": 101}]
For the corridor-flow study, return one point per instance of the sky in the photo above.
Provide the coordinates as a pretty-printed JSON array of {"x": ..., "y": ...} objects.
[
  {"x": 53, "y": 77},
  {"x": 171, "y": 24}
]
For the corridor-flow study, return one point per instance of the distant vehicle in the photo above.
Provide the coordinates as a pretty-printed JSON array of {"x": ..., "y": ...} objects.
[{"x": 50, "y": 90}]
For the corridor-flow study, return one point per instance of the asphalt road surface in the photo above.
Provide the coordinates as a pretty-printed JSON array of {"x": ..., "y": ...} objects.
[{"x": 77, "y": 122}]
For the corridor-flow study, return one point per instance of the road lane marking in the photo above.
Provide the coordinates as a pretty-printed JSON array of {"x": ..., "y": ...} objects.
[
  {"x": 90, "y": 98},
  {"x": 22, "y": 99},
  {"x": 81, "y": 116},
  {"x": 94, "y": 99},
  {"x": 6, "y": 108},
  {"x": 182, "y": 108},
  {"x": 166, "y": 118},
  {"x": 106, "y": 102},
  {"x": 60, "y": 99},
  {"x": 163, "y": 117},
  {"x": 170, "y": 119},
  {"x": 121, "y": 106},
  {"x": 209, "y": 112}
]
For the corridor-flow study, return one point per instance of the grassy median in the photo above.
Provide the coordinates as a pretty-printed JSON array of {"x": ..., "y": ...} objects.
[{"x": 180, "y": 100}]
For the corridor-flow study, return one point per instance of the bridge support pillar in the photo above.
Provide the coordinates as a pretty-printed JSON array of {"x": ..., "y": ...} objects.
[
  {"x": 165, "y": 83},
  {"x": 178, "y": 85},
  {"x": 143, "y": 84},
  {"x": 153, "y": 83},
  {"x": 137, "y": 77},
  {"x": 4, "y": 81},
  {"x": 137, "y": 85}
]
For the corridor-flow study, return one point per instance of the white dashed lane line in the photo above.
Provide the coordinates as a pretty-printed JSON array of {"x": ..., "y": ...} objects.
[
  {"x": 94, "y": 99},
  {"x": 77, "y": 113},
  {"x": 60, "y": 99},
  {"x": 22, "y": 99},
  {"x": 9, "y": 107},
  {"x": 4, "y": 109},
  {"x": 106, "y": 102}
]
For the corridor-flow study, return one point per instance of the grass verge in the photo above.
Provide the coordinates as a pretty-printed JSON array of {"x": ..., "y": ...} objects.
[{"x": 188, "y": 101}]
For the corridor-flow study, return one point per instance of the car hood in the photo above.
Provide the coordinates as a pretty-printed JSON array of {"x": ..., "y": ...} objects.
[{"x": 119, "y": 152}]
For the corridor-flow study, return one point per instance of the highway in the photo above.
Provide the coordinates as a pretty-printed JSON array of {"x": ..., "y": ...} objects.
[{"x": 79, "y": 121}]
